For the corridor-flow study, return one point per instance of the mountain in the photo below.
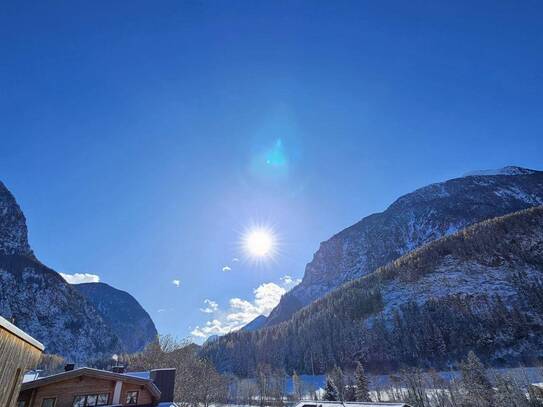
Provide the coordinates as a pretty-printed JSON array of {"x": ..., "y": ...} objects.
[
  {"x": 501, "y": 171},
  {"x": 211, "y": 338},
  {"x": 479, "y": 289},
  {"x": 126, "y": 317},
  {"x": 43, "y": 304},
  {"x": 13, "y": 234},
  {"x": 413, "y": 220},
  {"x": 255, "y": 324}
]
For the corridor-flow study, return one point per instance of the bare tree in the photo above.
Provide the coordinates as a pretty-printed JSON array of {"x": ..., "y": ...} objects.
[{"x": 196, "y": 381}]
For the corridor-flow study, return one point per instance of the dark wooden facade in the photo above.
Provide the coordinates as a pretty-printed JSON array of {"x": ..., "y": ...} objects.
[
  {"x": 19, "y": 353},
  {"x": 63, "y": 389}
]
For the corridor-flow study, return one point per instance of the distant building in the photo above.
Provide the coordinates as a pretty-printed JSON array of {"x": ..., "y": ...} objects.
[
  {"x": 19, "y": 352},
  {"x": 312, "y": 403},
  {"x": 86, "y": 387}
]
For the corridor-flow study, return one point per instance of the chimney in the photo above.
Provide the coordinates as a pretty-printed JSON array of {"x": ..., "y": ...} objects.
[
  {"x": 69, "y": 366},
  {"x": 164, "y": 379},
  {"x": 117, "y": 369}
]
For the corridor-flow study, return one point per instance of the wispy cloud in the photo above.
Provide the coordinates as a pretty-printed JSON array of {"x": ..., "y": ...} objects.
[
  {"x": 211, "y": 307},
  {"x": 176, "y": 283},
  {"x": 226, "y": 268},
  {"x": 240, "y": 311},
  {"x": 79, "y": 278}
]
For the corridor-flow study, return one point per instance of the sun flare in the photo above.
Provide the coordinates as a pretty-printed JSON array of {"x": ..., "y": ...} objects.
[{"x": 259, "y": 242}]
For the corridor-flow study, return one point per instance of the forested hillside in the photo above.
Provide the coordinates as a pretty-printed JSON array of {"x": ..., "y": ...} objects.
[
  {"x": 413, "y": 220},
  {"x": 480, "y": 289}
]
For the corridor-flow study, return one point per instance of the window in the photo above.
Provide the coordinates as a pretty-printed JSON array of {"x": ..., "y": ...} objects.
[
  {"x": 48, "y": 402},
  {"x": 91, "y": 400},
  {"x": 21, "y": 403},
  {"x": 132, "y": 397},
  {"x": 102, "y": 399},
  {"x": 79, "y": 401}
]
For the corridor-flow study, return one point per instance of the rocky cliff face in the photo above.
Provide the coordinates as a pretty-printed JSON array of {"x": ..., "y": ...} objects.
[
  {"x": 417, "y": 218},
  {"x": 13, "y": 234},
  {"x": 479, "y": 289},
  {"x": 126, "y": 317},
  {"x": 44, "y": 305}
]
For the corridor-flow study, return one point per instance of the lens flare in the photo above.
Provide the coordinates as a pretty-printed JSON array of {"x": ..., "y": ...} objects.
[{"x": 259, "y": 243}]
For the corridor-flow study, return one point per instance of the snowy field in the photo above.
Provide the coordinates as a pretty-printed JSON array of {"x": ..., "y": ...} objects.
[{"x": 523, "y": 375}]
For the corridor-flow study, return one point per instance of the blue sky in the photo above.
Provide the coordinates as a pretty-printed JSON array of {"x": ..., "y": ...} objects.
[{"x": 142, "y": 138}]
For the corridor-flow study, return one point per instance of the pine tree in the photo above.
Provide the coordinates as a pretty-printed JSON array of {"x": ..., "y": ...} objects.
[
  {"x": 297, "y": 386},
  {"x": 509, "y": 393},
  {"x": 339, "y": 380},
  {"x": 362, "y": 387},
  {"x": 477, "y": 386},
  {"x": 330, "y": 390}
]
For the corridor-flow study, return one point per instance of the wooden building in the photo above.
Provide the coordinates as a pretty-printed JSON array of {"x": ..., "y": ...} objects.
[
  {"x": 92, "y": 387},
  {"x": 19, "y": 352}
]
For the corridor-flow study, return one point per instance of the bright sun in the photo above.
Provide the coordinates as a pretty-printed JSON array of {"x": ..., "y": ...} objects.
[{"x": 259, "y": 242}]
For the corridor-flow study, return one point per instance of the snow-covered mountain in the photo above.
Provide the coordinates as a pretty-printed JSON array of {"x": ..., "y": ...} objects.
[
  {"x": 13, "y": 234},
  {"x": 44, "y": 305},
  {"x": 126, "y": 317},
  {"x": 414, "y": 219},
  {"x": 511, "y": 170},
  {"x": 479, "y": 289}
]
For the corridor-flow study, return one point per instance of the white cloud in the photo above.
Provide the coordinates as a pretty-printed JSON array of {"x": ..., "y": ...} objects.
[
  {"x": 289, "y": 282},
  {"x": 211, "y": 307},
  {"x": 176, "y": 283},
  {"x": 226, "y": 268},
  {"x": 241, "y": 312},
  {"x": 214, "y": 327},
  {"x": 161, "y": 310},
  {"x": 79, "y": 278},
  {"x": 235, "y": 260}
]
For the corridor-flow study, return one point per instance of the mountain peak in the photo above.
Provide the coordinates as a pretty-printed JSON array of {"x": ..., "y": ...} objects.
[
  {"x": 13, "y": 231},
  {"x": 509, "y": 170}
]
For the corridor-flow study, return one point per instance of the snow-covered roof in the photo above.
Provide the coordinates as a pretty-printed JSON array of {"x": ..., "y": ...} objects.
[
  {"x": 141, "y": 375},
  {"x": 312, "y": 403},
  {"x": 8, "y": 326}
]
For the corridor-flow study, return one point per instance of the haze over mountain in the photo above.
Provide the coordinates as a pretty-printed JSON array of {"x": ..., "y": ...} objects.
[
  {"x": 126, "y": 317},
  {"x": 255, "y": 324},
  {"x": 412, "y": 220},
  {"x": 39, "y": 301}
]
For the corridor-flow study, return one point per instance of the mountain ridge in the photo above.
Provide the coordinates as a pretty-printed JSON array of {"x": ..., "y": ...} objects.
[
  {"x": 412, "y": 220},
  {"x": 479, "y": 289}
]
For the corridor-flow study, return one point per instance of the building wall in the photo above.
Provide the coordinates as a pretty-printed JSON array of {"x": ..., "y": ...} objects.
[
  {"x": 66, "y": 391},
  {"x": 16, "y": 357}
]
